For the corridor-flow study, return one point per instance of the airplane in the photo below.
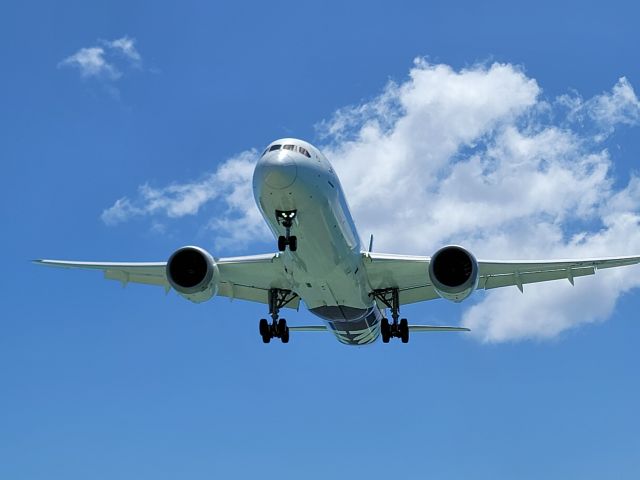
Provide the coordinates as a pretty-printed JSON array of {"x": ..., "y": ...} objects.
[{"x": 321, "y": 261}]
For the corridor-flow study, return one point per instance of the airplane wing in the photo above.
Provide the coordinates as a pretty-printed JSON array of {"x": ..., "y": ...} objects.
[
  {"x": 245, "y": 278},
  {"x": 410, "y": 274}
]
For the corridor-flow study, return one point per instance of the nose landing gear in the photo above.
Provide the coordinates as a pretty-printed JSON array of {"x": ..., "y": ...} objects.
[
  {"x": 285, "y": 218},
  {"x": 278, "y": 327},
  {"x": 397, "y": 329}
]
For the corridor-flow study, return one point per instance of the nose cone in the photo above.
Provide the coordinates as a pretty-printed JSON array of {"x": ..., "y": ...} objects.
[{"x": 278, "y": 169}]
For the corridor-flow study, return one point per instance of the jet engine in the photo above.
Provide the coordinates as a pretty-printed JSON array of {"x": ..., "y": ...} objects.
[
  {"x": 193, "y": 273},
  {"x": 454, "y": 273}
]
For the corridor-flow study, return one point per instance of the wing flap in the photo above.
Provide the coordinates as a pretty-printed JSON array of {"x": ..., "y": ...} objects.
[
  {"x": 252, "y": 294},
  {"x": 403, "y": 271},
  {"x": 410, "y": 274},
  {"x": 417, "y": 294},
  {"x": 488, "y": 282},
  {"x": 125, "y": 276},
  {"x": 414, "y": 294}
]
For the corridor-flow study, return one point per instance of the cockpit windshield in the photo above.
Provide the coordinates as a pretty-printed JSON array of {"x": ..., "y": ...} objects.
[{"x": 293, "y": 148}]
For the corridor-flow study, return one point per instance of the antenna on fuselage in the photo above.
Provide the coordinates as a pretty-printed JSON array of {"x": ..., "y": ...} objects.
[{"x": 371, "y": 243}]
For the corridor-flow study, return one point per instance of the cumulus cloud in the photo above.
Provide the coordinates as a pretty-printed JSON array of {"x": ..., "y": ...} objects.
[
  {"x": 230, "y": 183},
  {"x": 102, "y": 61},
  {"x": 476, "y": 157}
]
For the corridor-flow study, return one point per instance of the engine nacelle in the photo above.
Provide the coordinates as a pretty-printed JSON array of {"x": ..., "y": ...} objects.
[
  {"x": 454, "y": 273},
  {"x": 193, "y": 273}
]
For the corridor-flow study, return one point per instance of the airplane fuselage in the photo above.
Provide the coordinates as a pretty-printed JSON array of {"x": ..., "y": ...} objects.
[{"x": 326, "y": 270}]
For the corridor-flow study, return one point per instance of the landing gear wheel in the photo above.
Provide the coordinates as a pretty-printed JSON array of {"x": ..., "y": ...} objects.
[
  {"x": 265, "y": 332},
  {"x": 293, "y": 243},
  {"x": 281, "y": 327},
  {"x": 385, "y": 330},
  {"x": 282, "y": 243},
  {"x": 264, "y": 327},
  {"x": 404, "y": 330}
]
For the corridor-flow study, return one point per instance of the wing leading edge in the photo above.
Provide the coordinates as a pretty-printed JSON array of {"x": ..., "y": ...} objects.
[{"x": 410, "y": 274}]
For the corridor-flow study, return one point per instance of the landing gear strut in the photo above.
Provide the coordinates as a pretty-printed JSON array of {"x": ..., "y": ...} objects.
[
  {"x": 285, "y": 218},
  {"x": 397, "y": 329},
  {"x": 278, "y": 326}
]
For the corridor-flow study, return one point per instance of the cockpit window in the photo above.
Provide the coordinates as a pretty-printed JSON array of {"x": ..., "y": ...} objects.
[
  {"x": 304, "y": 152},
  {"x": 293, "y": 148}
]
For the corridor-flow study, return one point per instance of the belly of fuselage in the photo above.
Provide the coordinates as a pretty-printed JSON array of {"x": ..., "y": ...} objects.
[{"x": 351, "y": 326}]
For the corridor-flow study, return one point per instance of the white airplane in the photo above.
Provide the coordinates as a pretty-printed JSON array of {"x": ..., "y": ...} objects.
[{"x": 321, "y": 261}]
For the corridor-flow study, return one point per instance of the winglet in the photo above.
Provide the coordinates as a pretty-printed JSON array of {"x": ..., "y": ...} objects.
[{"x": 371, "y": 243}]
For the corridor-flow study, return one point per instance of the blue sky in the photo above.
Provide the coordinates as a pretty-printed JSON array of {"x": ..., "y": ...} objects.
[{"x": 102, "y": 382}]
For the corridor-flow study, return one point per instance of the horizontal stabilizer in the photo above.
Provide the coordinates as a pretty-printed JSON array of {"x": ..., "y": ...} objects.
[
  {"x": 310, "y": 328},
  {"x": 436, "y": 328},
  {"x": 412, "y": 328}
]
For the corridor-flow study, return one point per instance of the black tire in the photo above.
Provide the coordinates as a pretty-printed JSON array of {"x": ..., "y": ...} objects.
[
  {"x": 282, "y": 327},
  {"x": 264, "y": 331},
  {"x": 264, "y": 327},
  {"x": 285, "y": 335},
  {"x": 404, "y": 330},
  {"x": 282, "y": 243},
  {"x": 293, "y": 243},
  {"x": 385, "y": 330}
]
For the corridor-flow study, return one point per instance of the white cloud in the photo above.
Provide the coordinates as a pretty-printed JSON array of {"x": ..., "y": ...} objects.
[
  {"x": 238, "y": 222},
  {"x": 475, "y": 157},
  {"x": 91, "y": 63},
  {"x": 126, "y": 45},
  {"x": 605, "y": 111},
  {"x": 546, "y": 310},
  {"x": 102, "y": 61}
]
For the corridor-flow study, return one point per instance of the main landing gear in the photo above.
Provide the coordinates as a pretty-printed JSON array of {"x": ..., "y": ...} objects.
[
  {"x": 285, "y": 218},
  {"x": 397, "y": 329},
  {"x": 278, "y": 326}
]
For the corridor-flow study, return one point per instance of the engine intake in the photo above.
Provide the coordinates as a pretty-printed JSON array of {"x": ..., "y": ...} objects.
[
  {"x": 454, "y": 273},
  {"x": 193, "y": 273}
]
